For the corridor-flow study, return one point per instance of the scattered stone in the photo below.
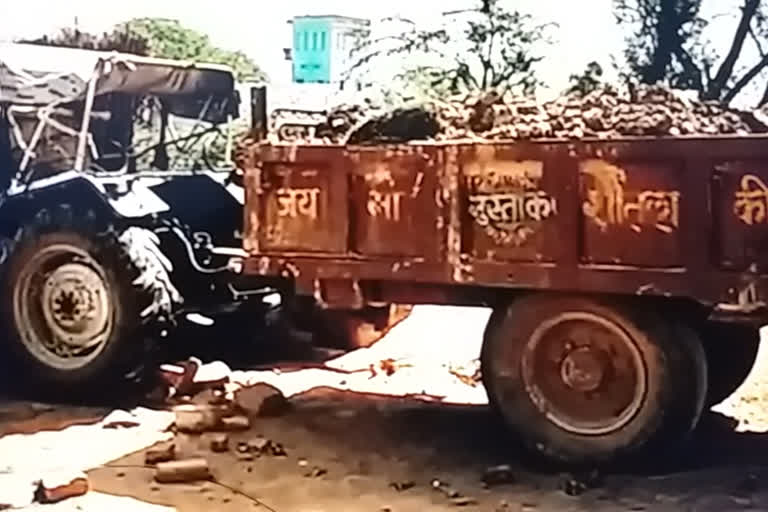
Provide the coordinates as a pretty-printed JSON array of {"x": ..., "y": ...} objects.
[
  {"x": 575, "y": 485},
  {"x": 259, "y": 445},
  {"x": 303, "y": 462},
  {"x": 162, "y": 454},
  {"x": 572, "y": 486},
  {"x": 236, "y": 423},
  {"x": 316, "y": 472},
  {"x": 498, "y": 475},
  {"x": 277, "y": 450},
  {"x": 403, "y": 486},
  {"x": 187, "y": 470},
  {"x": 463, "y": 501},
  {"x": 196, "y": 419},
  {"x": 220, "y": 443},
  {"x": 261, "y": 400},
  {"x": 245, "y": 457},
  {"x": 56, "y": 488},
  {"x": 242, "y": 447}
]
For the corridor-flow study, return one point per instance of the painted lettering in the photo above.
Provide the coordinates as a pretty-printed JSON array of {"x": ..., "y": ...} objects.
[
  {"x": 293, "y": 202},
  {"x": 751, "y": 202},
  {"x": 384, "y": 204}
]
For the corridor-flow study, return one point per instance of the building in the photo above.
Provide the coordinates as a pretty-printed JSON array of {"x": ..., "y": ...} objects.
[{"x": 322, "y": 47}]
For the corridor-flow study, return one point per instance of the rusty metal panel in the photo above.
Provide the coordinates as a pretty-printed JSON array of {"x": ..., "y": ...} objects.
[
  {"x": 302, "y": 205},
  {"x": 631, "y": 212},
  {"x": 509, "y": 208},
  {"x": 395, "y": 210},
  {"x": 740, "y": 199}
]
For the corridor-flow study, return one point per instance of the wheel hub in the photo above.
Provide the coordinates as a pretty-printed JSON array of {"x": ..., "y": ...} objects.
[
  {"x": 75, "y": 305},
  {"x": 584, "y": 372},
  {"x": 582, "y": 369}
]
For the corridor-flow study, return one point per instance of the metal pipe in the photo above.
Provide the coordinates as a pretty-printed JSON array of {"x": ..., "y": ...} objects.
[
  {"x": 89, "y": 97},
  {"x": 259, "y": 112}
]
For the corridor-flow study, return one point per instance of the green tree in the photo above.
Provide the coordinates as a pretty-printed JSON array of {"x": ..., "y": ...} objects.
[
  {"x": 117, "y": 40},
  {"x": 588, "y": 81},
  {"x": 666, "y": 43},
  {"x": 483, "y": 48},
  {"x": 169, "y": 39}
]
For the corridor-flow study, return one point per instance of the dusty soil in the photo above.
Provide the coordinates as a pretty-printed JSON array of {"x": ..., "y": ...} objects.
[
  {"x": 355, "y": 452},
  {"x": 367, "y": 447}
]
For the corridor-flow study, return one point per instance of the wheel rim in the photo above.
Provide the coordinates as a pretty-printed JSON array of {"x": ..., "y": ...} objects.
[
  {"x": 63, "y": 307},
  {"x": 585, "y": 373}
]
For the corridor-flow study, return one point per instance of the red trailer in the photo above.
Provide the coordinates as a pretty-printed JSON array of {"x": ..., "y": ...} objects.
[{"x": 628, "y": 277}]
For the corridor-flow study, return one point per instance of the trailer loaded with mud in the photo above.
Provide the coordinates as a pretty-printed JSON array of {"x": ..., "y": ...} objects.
[{"x": 628, "y": 274}]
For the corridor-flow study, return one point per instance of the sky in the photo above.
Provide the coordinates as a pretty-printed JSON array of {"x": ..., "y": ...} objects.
[{"x": 587, "y": 30}]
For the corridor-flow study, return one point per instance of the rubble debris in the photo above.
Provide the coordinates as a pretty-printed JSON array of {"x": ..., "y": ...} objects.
[
  {"x": 162, "y": 454},
  {"x": 575, "y": 485},
  {"x": 277, "y": 450},
  {"x": 463, "y": 501},
  {"x": 235, "y": 423},
  {"x": 261, "y": 400},
  {"x": 316, "y": 472},
  {"x": 403, "y": 486},
  {"x": 180, "y": 471},
  {"x": 56, "y": 488},
  {"x": 195, "y": 419},
  {"x": 260, "y": 445},
  {"x": 242, "y": 447},
  {"x": 219, "y": 443},
  {"x": 245, "y": 457},
  {"x": 498, "y": 475},
  {"x": 605, "y": 113}
]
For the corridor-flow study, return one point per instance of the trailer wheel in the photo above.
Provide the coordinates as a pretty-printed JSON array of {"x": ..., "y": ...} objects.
[
  {"x": 581, "y": 382},
  {"x": 69, "y": 309},
  {"x": 731, "y": 351}
]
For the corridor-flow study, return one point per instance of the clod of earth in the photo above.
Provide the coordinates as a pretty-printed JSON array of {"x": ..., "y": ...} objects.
[
  {"x": 261, "y": 400},
  {"x": 260, "y": 445},
  {"x": 316, "y": 472},
  {"x": 498, "y": 475},
  {"x": 219, "y": 443},
  {"x": 463, "y": 501},
  {"x": 162, "y": 454},
  {"x": 55, "y": 489},
  {"x": 195, "y": 419},
  {"x": 180, "y": 471},
  {"x": 236, "y": 423},
  {"x": 402, "y": 486},
  {"x": 605, "y": 113}
]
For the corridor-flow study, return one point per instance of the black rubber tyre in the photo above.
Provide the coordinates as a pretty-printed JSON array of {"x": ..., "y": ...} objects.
[
  {"x": 692, "y": 383},
  {"x": 579, "y": 418},
  {"x": 67, "y": 285},
  {"x": 731, "y": 351}
]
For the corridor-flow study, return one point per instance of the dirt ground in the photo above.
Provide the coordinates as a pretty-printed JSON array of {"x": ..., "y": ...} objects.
[{"x": 354, "y": 452}]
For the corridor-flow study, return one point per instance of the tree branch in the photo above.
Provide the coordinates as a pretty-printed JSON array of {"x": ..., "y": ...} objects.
[
  {"x": 744, "y": 80},
  {"x": 716, "y": 86}
]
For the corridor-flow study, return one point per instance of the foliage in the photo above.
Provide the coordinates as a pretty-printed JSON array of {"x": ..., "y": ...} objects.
[
  {"x": 171, "y": 40},
  {"x": 117, "y": 40},
  {"x": 666, "y": 44},
  {"x": 494, "y": 48},
  {"x": 588, "y": 81},
  {"x": 155, "y": 37}
]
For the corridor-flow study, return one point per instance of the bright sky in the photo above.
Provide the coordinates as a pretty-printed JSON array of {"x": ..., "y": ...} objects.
[{"x": 587, "y": 28}]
